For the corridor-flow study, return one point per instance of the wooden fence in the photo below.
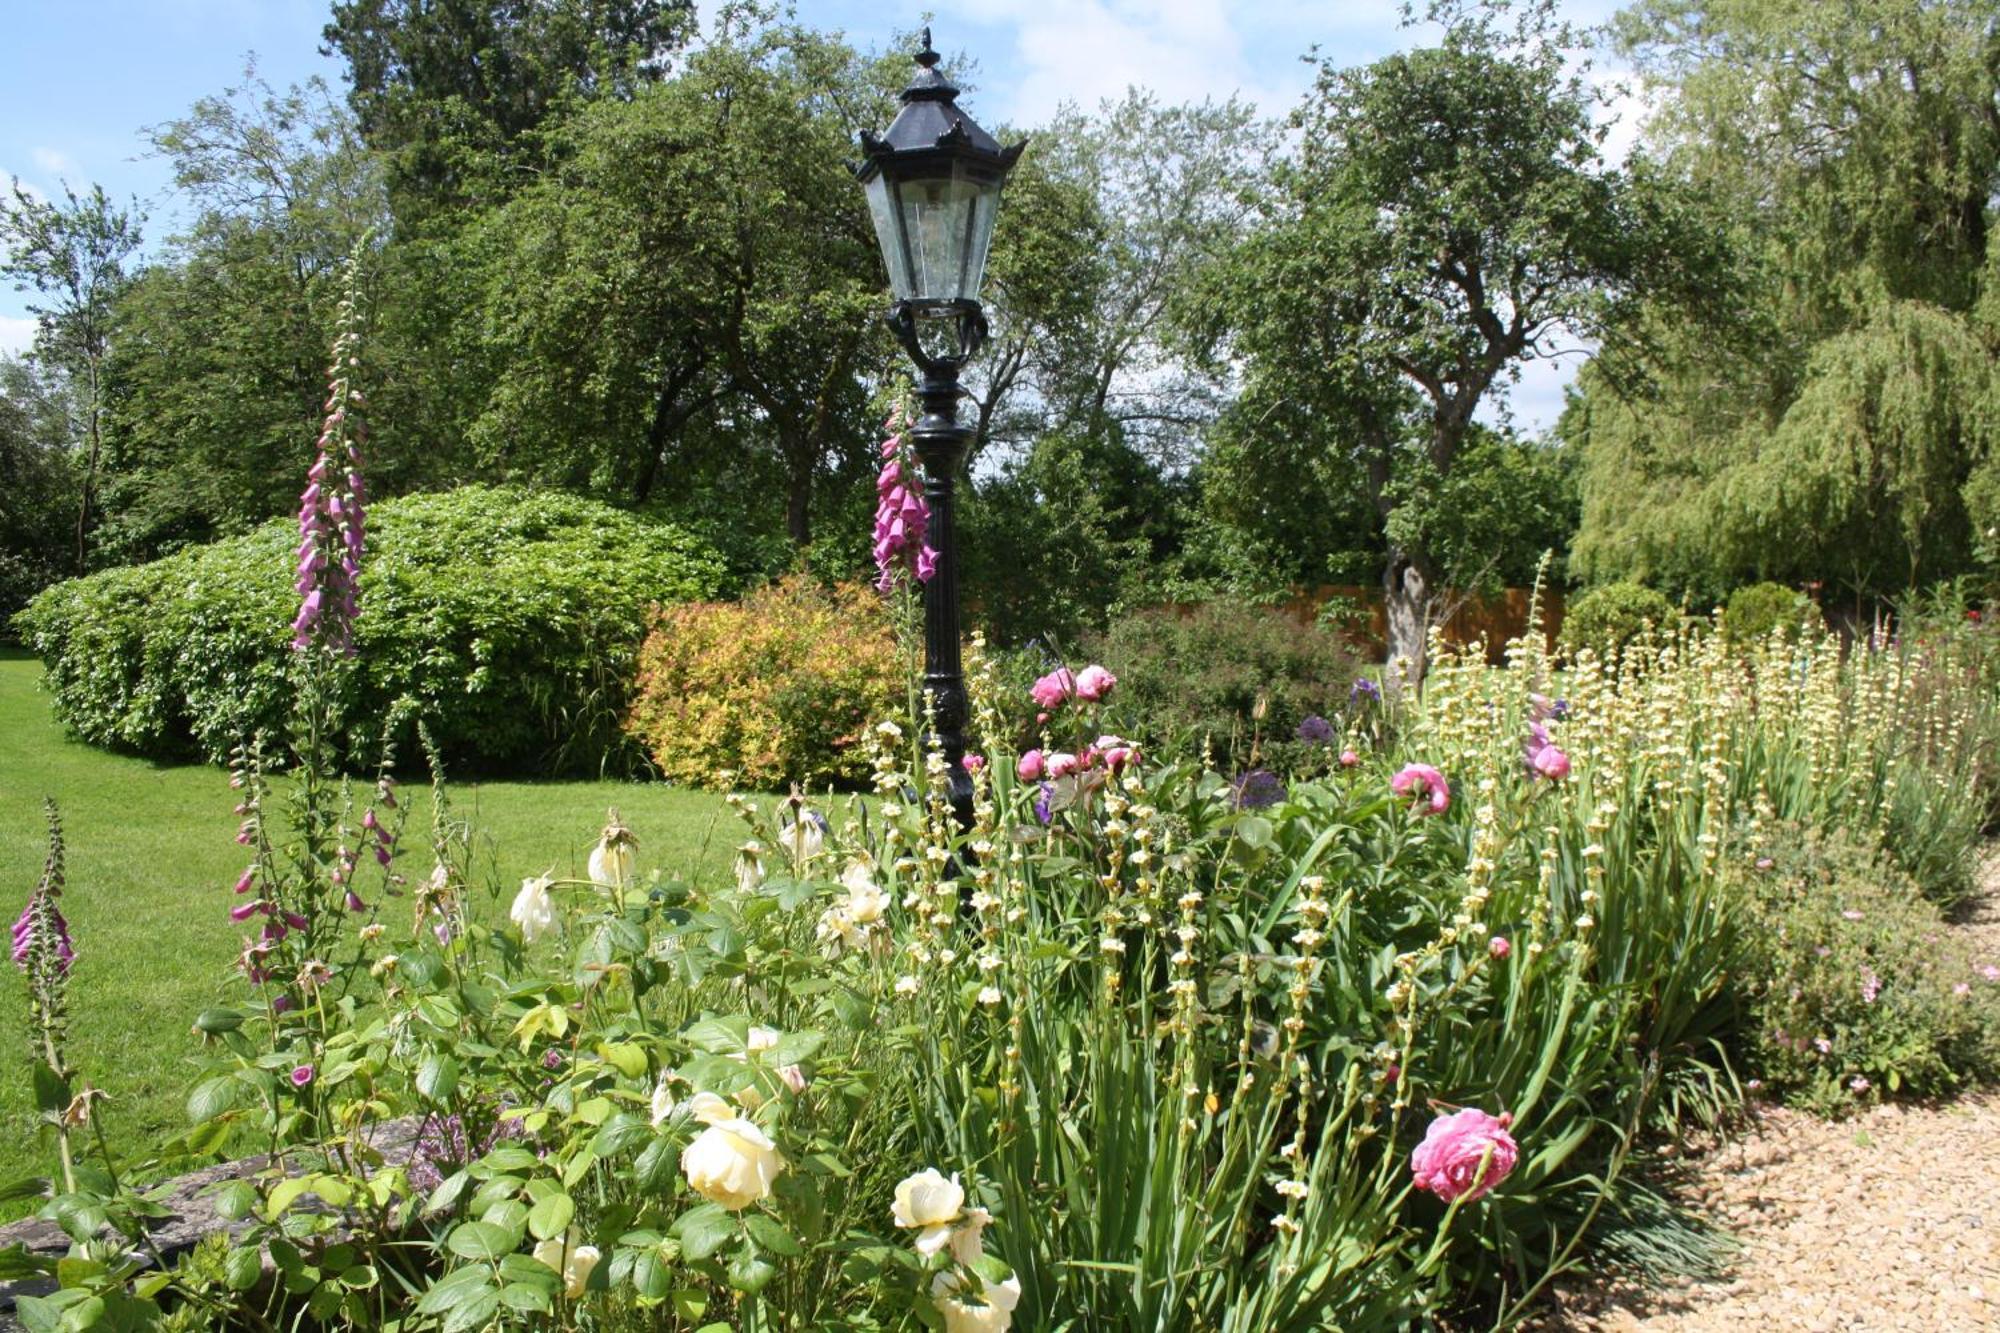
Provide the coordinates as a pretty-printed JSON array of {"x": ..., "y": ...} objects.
[{"x": 1495, "y": 619}]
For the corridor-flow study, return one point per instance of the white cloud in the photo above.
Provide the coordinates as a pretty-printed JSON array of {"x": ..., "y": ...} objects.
[
  {"x": 1087, "y": 51},
  {"x": 17, "y": 334},
  {"x": 54, "y": 162}
]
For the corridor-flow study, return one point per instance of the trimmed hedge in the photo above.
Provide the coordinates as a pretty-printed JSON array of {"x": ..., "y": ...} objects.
[
  {"x": 1612, "y": 615},
  {"x": 1756, "y": 610},
  {"x": 511, "y": 618},
  {"x": 780, "y": 687}
]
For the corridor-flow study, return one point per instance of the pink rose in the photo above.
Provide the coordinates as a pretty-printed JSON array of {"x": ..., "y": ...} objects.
[
  {"x": 1464, "y": 1155},
  {"x": 1349, "y": 759},
  {"x": 1427, "y": 783},
  {"x": 1551, "y": 763},
  {"x": 1499, "y": 947},
  {"x": 1030, "y": 767},
  {"x": 1094, "y": 684},
  {"x": 1063, "y": 765},
  {"x": 1052, "y": 689}
]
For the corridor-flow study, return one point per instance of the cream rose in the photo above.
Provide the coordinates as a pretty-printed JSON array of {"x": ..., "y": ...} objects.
[
  {"x": 865, "y": 900},
  {"x": 991, "y": 1310},
  {"x": 731, "y": 1162},
  {"x": 575, "y": 1266},
  {"x": 931, "y": 1205}
]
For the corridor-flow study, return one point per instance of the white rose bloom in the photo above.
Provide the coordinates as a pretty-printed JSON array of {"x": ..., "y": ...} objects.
[
  {"x": 575, "y": 1269},
  {"x": 865, "y": 900},
  {"x": 610, "y": 862},
  {"x": 709, "y": 1108},
  {"x": 994, "y": 1315},
  {"x": 836, "y": 927},
  {"x": 534, "y": 910},
  {"x": 930, "y": 1204},
  {"x": 732, "y": 1163},
  {"x": 803, "y": 840},
  {"x": 762, "y": 1039},
  {"x": 966, "y": 1246},
  {"x": 663, "y": 1102}
]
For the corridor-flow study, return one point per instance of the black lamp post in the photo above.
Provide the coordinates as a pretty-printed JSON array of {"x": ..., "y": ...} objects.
[{"x": 933, "y": 184}]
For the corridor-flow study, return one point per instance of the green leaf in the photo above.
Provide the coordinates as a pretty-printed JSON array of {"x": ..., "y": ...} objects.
[
  {"x": 482, "y": 1240},
  {"x": 748, "y": 1273},
  {"x": 437, "y": 1077},
  {"x": 212, "y": 1098},
  {"x": 525, "y": 1297},
  {"x": 656, "y": 1166},
  {"x": 235, "y": 1201},
  {"x": 474, "y": 1312},
  {"x": 242, "y": 1267},
  {"x": 52, "y": 1094},
  {"x": 621, "y": 1133},
  {"x": 38, "y": 1314},
  {"x": 703, "y": 1230},
  {"x": 84, "y": 1314},
  {"x": 650, "y": 1276},
  {"x": 451, "y": 1289},
  {"x": 771, "y": 1235},
  {"x": 447, "y": 1191},
  {"x": 548, "y": 1218}
]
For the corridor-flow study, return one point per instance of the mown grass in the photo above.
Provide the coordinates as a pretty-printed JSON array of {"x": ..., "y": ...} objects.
[{"x": 151, "y": 856}]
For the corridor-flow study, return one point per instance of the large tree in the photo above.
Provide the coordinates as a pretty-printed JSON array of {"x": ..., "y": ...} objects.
[
  {"x": 73, "y": 255},
  {"x": 693, "y": 282},
  {"x": 452, "y": 90},
  {"x": 218, "y": 373},
  {"x": 1448, "y": 217},
  {"x": 1839, "y": 426}
]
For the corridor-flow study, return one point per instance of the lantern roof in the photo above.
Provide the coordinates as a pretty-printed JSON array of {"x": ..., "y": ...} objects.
[{"x": 932, "y": 125}]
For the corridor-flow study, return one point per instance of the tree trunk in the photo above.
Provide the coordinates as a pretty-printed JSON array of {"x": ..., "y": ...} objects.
[
  {"x": 89, "y": 477},
  {"x": 798, "y": 497},
  {"x": 1406, "y": 596}
]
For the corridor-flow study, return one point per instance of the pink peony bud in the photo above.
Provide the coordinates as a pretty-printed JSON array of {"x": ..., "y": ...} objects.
[
  {"x": 1030, "y": 768},
  {"x": 1094, "y": 683},
  {"x": 1051, "y": 690},
  {"x": 1499, "y": 947},
  {"x": 1349, "y": 759},
  {"x": 1063, "y": 764},
  {"x": 1551, "y": 763}
]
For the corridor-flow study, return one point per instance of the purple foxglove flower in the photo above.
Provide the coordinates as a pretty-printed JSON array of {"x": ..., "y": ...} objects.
[
  {"x": 354, "y": 903},
  {"x": 244, "y": 911},
  {"x": 302, "y": 1076},
  {"x": 244, "y": 884}
]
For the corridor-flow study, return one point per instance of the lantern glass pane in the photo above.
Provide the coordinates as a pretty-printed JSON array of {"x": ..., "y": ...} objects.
[
  {"x": 949, "y": 224},
  {"x": 889, "y": 235}
]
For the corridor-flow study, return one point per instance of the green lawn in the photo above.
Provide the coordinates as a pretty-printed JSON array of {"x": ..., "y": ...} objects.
[{"x": 151, "y": 860}]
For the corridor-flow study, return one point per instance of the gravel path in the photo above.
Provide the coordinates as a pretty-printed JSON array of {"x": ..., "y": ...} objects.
[{"x": 1890, "y": 1220}]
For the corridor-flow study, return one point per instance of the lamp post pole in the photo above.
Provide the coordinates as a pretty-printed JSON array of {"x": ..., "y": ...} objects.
[
  {"x": 933, "y": 183},
  {"x": 941, "y": 440}
]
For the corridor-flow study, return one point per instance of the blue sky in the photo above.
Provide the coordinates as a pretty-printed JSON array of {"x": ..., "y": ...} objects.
[{"x": 80, "y": 79}]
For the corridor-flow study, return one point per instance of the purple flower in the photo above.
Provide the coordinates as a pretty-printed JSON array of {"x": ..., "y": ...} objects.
[
  {"x": 331, "y": 514},
  {"x": 1871, "y": 986},
  {"x": 1315, "y": 730},
  {"x": 302, "y": 1075},
  {"x": 1258, "y": 788},
  {"x": 1042, "y": 811},
  {"x": 902, "y": 517},
  {"x": 1364, "y": 688}
]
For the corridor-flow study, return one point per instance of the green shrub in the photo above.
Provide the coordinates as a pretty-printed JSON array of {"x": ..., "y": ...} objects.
[
  {"x": 777, "y": 688},
  {"x": 510, "y": 618},
  {"x": 1757, "y": 609},
  {"x": 1859, "y": 988},
  {"x": 1608, "y": 617},
  {"x": 1201, "y": 673}
]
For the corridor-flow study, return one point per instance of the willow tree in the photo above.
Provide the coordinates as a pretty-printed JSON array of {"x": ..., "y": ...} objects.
[
  {"x": 1840, "y": 425},
  {"x": 1448, "y": 218}
]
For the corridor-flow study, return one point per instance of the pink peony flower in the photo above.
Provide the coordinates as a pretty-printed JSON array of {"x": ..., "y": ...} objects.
[
  {"x": 1030, "y": 767},
  {"x": 1064, "y": 765},
  {"x": 1052, "y": 689},
  {"x": 1499, "y": 947},
  {"x": 1551, "y": 763},
  {"x": 1464, "y": 1155},
  {"x": 1094, "y": 684},
  {"x": 1349, "y": 759},
  {"x": 1427, "y": 783}
]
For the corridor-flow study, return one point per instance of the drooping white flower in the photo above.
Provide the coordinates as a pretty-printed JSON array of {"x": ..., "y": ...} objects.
[
  {"x": 663, "y": 1101},
  {"x": 611, "y": 860},
  {"x": 534, "y": 909},
  {"x": 802, "y": 840},
  {"x": 574, "y": 1266},
  {"x": 990, "y": 1310}
]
